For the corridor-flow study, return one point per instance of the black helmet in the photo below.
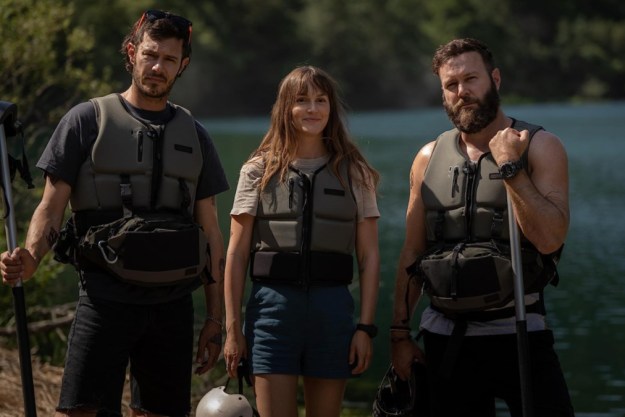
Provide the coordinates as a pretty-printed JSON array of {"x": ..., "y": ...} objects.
[{"x": 403, "y": 398}]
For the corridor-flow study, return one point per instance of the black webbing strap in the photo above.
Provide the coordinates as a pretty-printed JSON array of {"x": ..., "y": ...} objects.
[
  {"x": 125, "y": 190},
  {"x": 438, "y": 228},
  {"x": 453, "y": 349},
  {"x": 460, "y": 328},
  {"x": 496, "y": 227},
  {"x": 455, "y": 268},
  {"x": 185, "y": 201},
  {"x": 503, "y": 313},
  {"x": 157, "y": 164}
]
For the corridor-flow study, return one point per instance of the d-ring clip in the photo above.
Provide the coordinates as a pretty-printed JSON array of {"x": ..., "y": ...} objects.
[{"x": 107, "y": 252}]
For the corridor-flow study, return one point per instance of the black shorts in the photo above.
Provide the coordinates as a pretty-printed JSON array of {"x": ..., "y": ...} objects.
[
  {"x": 487, "y": 368},
  {"x": 105, "y": 337}
]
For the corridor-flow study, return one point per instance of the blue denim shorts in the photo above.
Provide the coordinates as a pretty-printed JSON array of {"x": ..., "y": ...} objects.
[
  {"x": 106, "y": 336},
  {"x": 293, "y": 331}
]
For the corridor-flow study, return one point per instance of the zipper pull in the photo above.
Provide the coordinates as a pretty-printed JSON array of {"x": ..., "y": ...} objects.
[{"x": 291, "y": 182}]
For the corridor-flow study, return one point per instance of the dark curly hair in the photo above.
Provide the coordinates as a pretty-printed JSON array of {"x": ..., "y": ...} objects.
[
  {"x": 459, "y": 47},
  {"x": 159, "y": 29}
]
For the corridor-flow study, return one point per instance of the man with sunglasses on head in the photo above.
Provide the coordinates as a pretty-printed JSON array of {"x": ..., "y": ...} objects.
[{"x": 114, "y": 158}]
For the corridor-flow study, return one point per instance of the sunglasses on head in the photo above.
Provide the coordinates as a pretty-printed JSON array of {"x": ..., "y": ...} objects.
[{"x": 181, "y": 23}]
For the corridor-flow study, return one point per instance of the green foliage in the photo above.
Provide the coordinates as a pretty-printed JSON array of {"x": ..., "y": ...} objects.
[
  {"x": 379, "y": 50},
  {"x": 598, "y": 44},
  {"x": 45, "y": 61},
  {"x": 372, "y": 47},
  {"x": 45, "y": 67}
]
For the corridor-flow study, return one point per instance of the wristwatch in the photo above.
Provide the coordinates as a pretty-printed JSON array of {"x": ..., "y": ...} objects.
[
  {"x": 370, "y": 329},
  {"x": 509, "y": 169}
]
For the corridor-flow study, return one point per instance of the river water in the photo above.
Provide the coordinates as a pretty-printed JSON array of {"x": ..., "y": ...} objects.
[{"x": 586, "y": 311}]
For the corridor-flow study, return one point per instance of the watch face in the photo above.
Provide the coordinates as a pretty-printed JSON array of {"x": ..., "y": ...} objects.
[
  {"x": 510, "y": 169},
  {"x": 507, "y": 170}
]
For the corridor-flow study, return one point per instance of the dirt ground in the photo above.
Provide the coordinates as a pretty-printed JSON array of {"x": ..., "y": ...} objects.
[{"x": 47, "y": 385}]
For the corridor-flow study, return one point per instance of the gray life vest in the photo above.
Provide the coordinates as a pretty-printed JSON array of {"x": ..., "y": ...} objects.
[
  {"x": 467, "y": 263},
  {"x": 133, "y": 200},
  {"x": 136, "y": 164},
  {"x": 462, "y": 202},
  {"x": 305, "y": 230}
]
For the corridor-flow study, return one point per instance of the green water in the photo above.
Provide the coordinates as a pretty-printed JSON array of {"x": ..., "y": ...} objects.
[{"x": 587, "y": 309}]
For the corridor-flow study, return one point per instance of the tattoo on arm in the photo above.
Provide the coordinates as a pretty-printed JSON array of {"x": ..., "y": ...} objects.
[{"x": 52, "y": 237}]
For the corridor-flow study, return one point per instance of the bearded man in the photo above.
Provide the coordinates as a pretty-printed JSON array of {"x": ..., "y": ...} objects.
[
  {"x": 458, "y": 208},
  {"x": 118, "y": 159}
]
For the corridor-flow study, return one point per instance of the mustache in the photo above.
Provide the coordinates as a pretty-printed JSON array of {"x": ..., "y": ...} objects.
[
  {"x": 155, "y": 76},
  {"x": 465, "y": 101}
]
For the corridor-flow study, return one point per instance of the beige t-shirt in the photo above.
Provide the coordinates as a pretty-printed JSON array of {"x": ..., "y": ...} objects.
[{"x": 247, "y": 194}]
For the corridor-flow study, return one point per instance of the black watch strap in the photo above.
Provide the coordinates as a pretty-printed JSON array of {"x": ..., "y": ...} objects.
[
  {"x": 370, "y": 329},
  {"x": 509, "y": 169}
]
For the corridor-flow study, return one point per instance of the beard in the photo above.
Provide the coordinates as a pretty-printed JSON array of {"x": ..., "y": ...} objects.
[
  {"x": 148, "y": 89},
  {"x": 473, "y": 120}
]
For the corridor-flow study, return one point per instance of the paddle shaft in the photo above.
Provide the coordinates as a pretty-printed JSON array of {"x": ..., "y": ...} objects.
[
  {"x": 19, "y": 304},
  {"x": 519, "y": 305}
]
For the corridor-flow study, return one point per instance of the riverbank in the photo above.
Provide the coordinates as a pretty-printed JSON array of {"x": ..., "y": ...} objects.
[{"x": 47, "y": 383}]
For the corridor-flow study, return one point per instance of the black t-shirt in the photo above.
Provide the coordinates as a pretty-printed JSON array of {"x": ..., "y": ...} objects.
[{"x": 62, "y": 158}]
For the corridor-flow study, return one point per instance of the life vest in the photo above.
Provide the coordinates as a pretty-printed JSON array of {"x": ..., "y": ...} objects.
[
  {"x": 466, "y": 204},
  {"x": 462, "y": 202},
  {"x": 133, "y": 200},
  {"x": 305, "y": 229},
  {"x": 137, "y": 165}
]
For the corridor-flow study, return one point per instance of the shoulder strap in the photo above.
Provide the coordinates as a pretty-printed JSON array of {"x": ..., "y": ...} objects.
[
  {"x": 550, "y": 260},
  {"x": 521, "y": 125}
]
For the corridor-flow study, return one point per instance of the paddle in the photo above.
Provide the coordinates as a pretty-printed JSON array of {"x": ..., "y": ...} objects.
[
  {"x": 521, "y": 322},
  {"x": 8, "y": 120}
]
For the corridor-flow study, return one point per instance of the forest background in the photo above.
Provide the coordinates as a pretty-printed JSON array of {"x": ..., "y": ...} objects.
[{"x": 57, "y": 53}]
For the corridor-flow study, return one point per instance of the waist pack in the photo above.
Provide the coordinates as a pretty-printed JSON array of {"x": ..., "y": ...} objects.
[
  {"x": 470, "y": 277},
  {"x": 150, "y": 249}
]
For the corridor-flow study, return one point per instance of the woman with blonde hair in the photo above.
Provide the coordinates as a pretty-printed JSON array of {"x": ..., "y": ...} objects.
[{"x": 305, "y": 203}]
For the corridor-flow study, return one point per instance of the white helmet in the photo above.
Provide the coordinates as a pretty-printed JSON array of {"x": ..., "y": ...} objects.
[{"x": 218, "y": 403}]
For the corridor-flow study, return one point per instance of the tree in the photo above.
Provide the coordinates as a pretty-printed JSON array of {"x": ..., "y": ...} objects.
[
  {"x": 374, "y": 48},
  {"x": 45, "y": 69},
  {"x": 45, "y": 64}
]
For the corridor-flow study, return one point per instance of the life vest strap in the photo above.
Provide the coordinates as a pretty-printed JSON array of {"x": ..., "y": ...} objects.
[
  {"x": 503, "y": 313},
  {"x": 326, "y": 268}
]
